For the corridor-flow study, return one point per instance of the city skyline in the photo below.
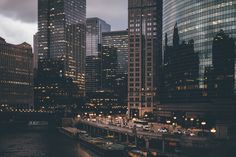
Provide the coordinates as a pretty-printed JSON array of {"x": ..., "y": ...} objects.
[
  {"x": 120, "y": 78},
  {"x": 20, "y": 21}
]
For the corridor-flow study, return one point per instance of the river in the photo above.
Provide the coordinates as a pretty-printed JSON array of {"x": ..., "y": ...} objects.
[{"x": 39, "y": 143}]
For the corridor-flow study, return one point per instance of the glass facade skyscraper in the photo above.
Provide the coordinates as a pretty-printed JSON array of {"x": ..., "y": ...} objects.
[
  {"x": 145, "y": 35},
  {"x": 94, "y": 29},
  {"x": 118, "y": 39},
  {"x": 192, "y": 53},
  {"x": 61, "y": 35},
  {"x": 200, "y": 21}
]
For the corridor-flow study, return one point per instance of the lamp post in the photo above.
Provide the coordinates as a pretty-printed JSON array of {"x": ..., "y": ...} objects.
[
  {"x": 192, "y": 119},
  {"x": 203, "y": 123}
]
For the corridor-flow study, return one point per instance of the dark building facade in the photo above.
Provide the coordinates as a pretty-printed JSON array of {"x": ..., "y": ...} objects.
[
  {"x": 220, "y": 77},
  {"x": 93, "y": 74},
  {"x": 118, "y": 39},
  {"x": 62, "y": 35},
  {"x": 16, "y": 76},
  {"x": 201, "y": 21},
  {"x": 52, "y": 89},
  {"x": 180, "y": 71},
  {"x": 145, "y": 35},
  {"x": 94, "y": 29},
  {"x": 101, "y": 102},
  {"x": 109, "y": 67}
]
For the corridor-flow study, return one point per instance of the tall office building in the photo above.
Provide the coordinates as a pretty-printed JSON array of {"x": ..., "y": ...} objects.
[
  {"x": 118, "y": 39},
  {"x": 94, "y": 29},
  {"x": 199, "y": 21},
  {"x": 93, "y": 74},
  {"x": 220, "y": 76},
  {"x": 52, "y": 89},
  {"x": 145, "y": 35},
  {"x": 180, "y": 71},
  {"x": 108, "y": 67},
  {"x": 16, "y": 76},
  {"x": 61, "y": 35}
]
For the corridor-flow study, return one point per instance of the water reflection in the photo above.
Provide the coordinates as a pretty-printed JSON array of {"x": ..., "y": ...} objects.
[{"x": 34, "y": 143}]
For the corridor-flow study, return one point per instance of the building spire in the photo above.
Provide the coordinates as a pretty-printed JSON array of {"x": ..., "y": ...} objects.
[{"x": 176, "y": 35}]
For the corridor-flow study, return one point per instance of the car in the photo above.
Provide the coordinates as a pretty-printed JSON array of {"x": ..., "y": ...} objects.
[
  {"x": 163, "y": 130},
  {"x": 177, "y": 132},
  {"x": 146, "y": 128}
]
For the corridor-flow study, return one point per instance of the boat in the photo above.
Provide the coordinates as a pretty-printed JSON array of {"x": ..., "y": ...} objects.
[{"x": 101, "y": 146}]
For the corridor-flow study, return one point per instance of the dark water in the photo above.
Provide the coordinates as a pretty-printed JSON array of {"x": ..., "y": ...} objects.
[{"x": 39, "y": 143}]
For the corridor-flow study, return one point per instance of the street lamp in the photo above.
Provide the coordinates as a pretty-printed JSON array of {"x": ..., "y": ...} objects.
[
  {"x": 203, "y": 123},
  {"x": 213, "y": 130}
]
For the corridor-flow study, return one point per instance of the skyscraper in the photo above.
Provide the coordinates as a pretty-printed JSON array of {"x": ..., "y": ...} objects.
[
  {"x": 61, "y": 35},
  {"x": 16, "y": 75},
  {"x": 52, "y": 89},
  {"x": 200, "y": 21},
  {"x": 220, "y": 76},
  {"x": 145, "y": 35},
  {"x": 94, "y": 29},
  {"x": 108, "y": 67},
  {"x": 179, "y": 71},
  {"x": 93, "y": 73},
  {"x": 118, "y": 39}
]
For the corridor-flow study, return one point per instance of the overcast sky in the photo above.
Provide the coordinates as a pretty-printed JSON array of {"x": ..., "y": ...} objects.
[{"x": 19, "y": 17}]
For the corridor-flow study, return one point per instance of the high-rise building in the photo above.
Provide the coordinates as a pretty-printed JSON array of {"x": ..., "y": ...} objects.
[
  {"x": 16, "y": 76},
  {"x": 179, "y": 71},
  {"x": 145, "y": 36},
  {"x": 108, "y": 67},
  {"x": 61, "y": 35},
  {"x": 94, "y": 28},
  {"x": 93, "y": 74},
  {"x": 118, "y": 39},
  {"x": 200, "y": 21},
  {"x": 220, "y": 76},
  {"x": 52, "y": 89}
]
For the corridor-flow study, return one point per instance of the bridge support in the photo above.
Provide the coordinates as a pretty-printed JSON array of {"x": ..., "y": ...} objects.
[
  {"x": 163, "y": 145},
  {"x": 147, "y": 143},
  {"x": 136, "y": 140},
  {"x": 127, "y": 138},
  {"x": 120, "y": 137}
]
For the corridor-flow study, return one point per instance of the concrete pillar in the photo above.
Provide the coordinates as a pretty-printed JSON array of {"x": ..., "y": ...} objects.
[
  {"x": 136, "y": 140},
  {"x": 94, "y": 131},
  {"x": 163, "y": 145},
  {"x": 127, "y": 138},
  {"x": 147, "y": 143},
  {"x": 120, "y": 137}
]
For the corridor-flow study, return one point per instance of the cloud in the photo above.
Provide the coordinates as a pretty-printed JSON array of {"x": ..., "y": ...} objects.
[
  {"x": 15, "y": 31},
  {"x": 114, "y": 12},
  {"x": 19, "y": 17},
  {"x": 23, "y": 10}
]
